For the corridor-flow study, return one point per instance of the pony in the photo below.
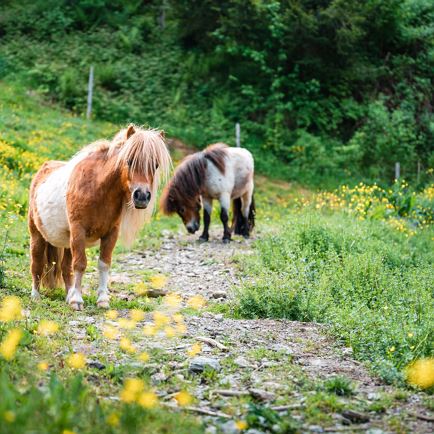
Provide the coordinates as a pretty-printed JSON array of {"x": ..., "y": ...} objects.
[
  {"x": 218, "y": 172},
  {"x": 107, "y": 189}
]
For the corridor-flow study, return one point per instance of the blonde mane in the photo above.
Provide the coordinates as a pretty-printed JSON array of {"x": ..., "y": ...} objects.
[{"x": 145, "y": 151}]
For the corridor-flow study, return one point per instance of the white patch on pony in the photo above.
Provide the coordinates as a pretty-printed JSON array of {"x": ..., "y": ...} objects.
[
  {"x": 35, "y": 293},
  {"x": 239, "y": 168},
  {"x": 74, "y": 297},
  {"x": 51, "y": 203},
  {"x": 103, "y": 292}
]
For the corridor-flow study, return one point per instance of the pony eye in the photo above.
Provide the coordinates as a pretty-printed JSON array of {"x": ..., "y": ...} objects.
[
  {"x": 182, "y": 210},
  {"x": 130, "y": 163}
]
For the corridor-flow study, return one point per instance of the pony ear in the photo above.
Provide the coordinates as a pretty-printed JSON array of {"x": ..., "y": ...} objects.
[
  {"x": 130, "y": 131},
  {"x": 162, "y": 134}
]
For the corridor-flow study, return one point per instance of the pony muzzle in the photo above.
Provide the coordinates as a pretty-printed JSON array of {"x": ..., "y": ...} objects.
[
  {"x": 141, "y": 198},
  {"x": 192, "y": 227}
]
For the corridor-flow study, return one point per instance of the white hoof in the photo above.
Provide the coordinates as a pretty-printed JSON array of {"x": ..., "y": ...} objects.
[
  {"x": 35, "y": 295},
  {"x": 76, "y": 306},
  {"x": 74, "y": 299},
  {"x": 103, "y": 304}
]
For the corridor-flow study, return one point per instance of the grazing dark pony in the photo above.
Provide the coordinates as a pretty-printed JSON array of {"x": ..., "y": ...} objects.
[
  {"x": 108, "y": 188},
  {"x": 219, "y": 172}
]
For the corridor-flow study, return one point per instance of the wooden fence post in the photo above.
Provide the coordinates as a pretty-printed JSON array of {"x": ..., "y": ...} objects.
[
  {"x": 89, "y": 94},
  {"x": 397, "y": 170},
  {"x": 237, "y": 134}
]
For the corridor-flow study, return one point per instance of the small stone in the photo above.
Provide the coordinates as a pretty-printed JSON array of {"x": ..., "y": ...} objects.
[
  {"x": 242, "y": 362},
  {"x": 229, "y": 427},
  {"x": 315, "y": 428},
  {"x": 373, "y": 396},
  {"x": 159, "y": 377},
  {"x": 262, "y": 395},
  {"x": 219, "y": 294},
  {"x": 95, "y": 364},
  {"x": 355, "y": 416},
  {"x": 200, "y": 363}
]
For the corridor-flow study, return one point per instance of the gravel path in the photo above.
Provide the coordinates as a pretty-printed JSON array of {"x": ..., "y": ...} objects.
[{"x": 277, "y": 364}]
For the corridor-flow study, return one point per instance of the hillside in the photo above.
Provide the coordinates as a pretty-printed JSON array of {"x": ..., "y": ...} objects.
[{"x": 325, "y": 92}]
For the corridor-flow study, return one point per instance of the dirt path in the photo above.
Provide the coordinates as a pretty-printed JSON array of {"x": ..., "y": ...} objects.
[{"x": 277, "y": 364}]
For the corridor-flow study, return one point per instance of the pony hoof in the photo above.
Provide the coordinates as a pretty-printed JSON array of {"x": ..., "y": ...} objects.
[
  {"x": 203, "y": 239},
  {"x": 35, "y": 296},
  {"x": 226, "y": 240},
  {"x": 76, "y": 306},
  {"x": 103, "y": 304}
]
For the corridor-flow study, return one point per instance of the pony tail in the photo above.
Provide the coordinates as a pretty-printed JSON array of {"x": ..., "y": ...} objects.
[
  {"x": 52, "y": 275},
  {"x": 237, "y": 217},
  {"x": 252, "y": 213}
]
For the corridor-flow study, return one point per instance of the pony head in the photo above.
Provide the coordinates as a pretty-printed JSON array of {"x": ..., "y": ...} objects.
[
  {"x": 141, "y": 157},
  {"x": 182, "y": 194}
]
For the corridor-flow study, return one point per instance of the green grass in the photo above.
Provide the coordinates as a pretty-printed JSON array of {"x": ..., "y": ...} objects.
[{"x": 372, "y": 284}]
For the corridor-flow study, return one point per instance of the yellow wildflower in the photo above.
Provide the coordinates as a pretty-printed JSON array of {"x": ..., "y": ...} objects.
[
  {"x": 43, "y": 365},
  {"x": 10, "y": 309},
  {"x": 196, "y": 302},
  {"x": 173, "y": 300},
  {"x": 137, "y": 315},
  {"x": 140, "y": 288},
  {"x": 68, "y": 431},
  {"x": 132, "y": 389},
  {"x": 170, "y": 332},
  {"x": 160, "y": 319},
  {"x": 148, "y": 399},
  {"x": 9, "y": 416},
  {"x": 149, "y": 330},
  {"x": 183, "y": 398},
  {"x": 126, "y": 323},
  {"x": 126, "y": 345},
  {"x": 111, "y": 314},
  {"x": 195, "y": 349},
  {"x": 421, "y": 373},
  {"x": 110, "y": 332},
  {"x": 9, "y": 345},
  {"x": 113, "y": 419},
  {"x": 181, "y": 328},
  {"x": 47, "y": 328},
  {"x": 178, "y": 318},
  {"x": 144, "y": 357},
  {"x": 241, "y": 425},
  {"x": 76, "y": 361},
  {"x": 157, "y": 281}
]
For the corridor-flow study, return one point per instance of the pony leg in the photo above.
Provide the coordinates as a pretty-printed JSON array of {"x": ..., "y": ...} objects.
[
  {"x": 246, "y": 202},
  {"x": 67, "y": 273},
  {"x": 207, "y": 209},
  {"x": 225, "y": 201},
  {"x": 37, "y": 254},
  {"x": 105, "y": 258},
  {"x": 79, "y": 262}
]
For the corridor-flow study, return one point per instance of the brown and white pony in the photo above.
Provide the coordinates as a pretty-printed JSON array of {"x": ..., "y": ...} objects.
[
  {"x": 107, "y": 189},
  {"x": 219, "y": 172}
]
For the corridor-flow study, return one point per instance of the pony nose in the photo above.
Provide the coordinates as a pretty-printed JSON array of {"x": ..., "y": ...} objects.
[{"x": 141, "y": 198}]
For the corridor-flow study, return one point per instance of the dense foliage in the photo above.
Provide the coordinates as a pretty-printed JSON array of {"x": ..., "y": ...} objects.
[{"x": 326, "y": 89}]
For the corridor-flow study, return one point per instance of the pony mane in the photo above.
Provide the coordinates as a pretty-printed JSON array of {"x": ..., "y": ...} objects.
[
  {"x": 187, "y": 181},
  {"x": 145, "y": 151}
]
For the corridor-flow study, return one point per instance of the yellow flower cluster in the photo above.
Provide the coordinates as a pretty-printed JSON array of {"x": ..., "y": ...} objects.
[
  {"x": 10, "y": 309},
  {"x": 134, "y": 392},
  {"x": 373, "y": 202},
  {"x": 421, "y": 373}
]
